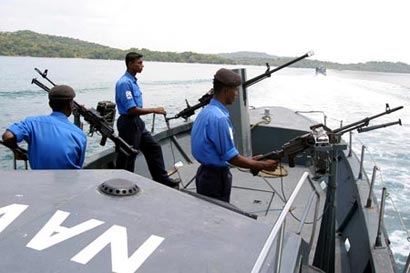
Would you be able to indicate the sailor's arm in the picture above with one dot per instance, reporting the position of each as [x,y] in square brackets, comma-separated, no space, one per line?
[245,162]
[136,111]
[9,139]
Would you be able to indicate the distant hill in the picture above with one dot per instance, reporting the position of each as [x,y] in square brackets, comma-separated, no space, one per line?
[247,55]
[373,66]
[29,43]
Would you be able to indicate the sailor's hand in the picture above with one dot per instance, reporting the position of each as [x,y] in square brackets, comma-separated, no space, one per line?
[270,165]
[160,110]
[267,165]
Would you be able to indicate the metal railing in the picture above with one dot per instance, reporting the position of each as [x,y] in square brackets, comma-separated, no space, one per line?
[369,203]
[277,231]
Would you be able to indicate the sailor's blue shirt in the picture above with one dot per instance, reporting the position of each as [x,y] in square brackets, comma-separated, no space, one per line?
[127,93]
[53,141]
[212,136]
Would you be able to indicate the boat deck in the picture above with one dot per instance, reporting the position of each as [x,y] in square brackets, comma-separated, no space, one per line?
[264,198]
[265,195]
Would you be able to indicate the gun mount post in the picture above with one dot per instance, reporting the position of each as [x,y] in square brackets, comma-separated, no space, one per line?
[325,249]
[239,111]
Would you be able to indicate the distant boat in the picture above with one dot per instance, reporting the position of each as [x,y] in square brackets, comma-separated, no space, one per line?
[321,70]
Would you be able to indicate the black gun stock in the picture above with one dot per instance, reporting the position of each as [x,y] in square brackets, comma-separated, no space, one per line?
[205,99]
[94,118]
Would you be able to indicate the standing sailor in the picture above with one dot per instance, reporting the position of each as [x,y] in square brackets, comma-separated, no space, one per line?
[131,127]
[53,141]
[213,144]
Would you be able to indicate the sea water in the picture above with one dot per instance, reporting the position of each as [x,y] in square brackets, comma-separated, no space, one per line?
[343,97]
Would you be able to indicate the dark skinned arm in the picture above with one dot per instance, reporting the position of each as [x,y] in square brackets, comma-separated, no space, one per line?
[245,162]
[136,111]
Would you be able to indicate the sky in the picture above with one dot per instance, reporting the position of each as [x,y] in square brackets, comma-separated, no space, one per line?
[348,31]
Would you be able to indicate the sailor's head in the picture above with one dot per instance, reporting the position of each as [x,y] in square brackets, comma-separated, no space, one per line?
[134,62]
[61,92]
[61,98]
[227,78]
[226,83]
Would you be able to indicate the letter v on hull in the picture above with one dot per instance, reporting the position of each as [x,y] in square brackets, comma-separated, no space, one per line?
[9,213]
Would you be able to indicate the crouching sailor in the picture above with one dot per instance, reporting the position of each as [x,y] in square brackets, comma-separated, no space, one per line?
[213,144]
[53,141]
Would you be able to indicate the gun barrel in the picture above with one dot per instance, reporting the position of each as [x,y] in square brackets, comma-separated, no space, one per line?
[205,99]
[370,128]
[364,121]
[44,75]
[47,89]
[40,84]
[269,72]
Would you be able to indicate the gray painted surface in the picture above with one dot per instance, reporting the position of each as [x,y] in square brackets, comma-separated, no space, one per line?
[199,236]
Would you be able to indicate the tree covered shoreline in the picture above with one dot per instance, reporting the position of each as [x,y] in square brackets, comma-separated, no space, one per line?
[29,43]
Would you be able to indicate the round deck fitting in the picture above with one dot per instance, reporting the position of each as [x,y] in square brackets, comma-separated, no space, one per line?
[119,187]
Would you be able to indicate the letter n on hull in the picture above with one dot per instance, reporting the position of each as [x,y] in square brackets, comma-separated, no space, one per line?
[117,237]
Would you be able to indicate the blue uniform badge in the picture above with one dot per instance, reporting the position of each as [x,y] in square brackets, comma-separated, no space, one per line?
[231,132]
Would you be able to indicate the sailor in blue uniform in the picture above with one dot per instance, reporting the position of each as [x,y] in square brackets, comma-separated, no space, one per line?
[213,144]
[53,141]
[131,127]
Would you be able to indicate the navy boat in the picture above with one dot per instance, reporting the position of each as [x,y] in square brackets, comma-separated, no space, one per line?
[315,213]
[320,70]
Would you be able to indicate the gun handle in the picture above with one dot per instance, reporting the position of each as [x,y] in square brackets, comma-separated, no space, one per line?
[255,172]
[291,161]
[103,140]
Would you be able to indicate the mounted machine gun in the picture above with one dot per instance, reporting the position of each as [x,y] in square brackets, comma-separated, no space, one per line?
[95,119]
[205,99]
[322,136]
[325,145]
